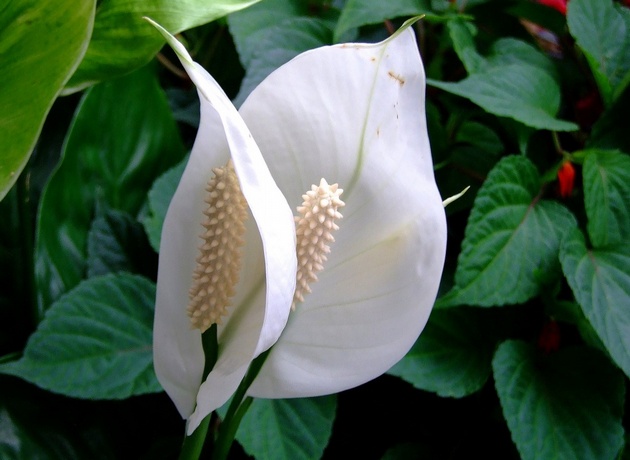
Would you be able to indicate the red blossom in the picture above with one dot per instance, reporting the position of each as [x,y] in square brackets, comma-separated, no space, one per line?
[566,178]
[588,109]
[558,5]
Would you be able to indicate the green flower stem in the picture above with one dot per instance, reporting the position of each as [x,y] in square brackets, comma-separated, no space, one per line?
[557,145]
[228,431]
[193,444]
[237,409]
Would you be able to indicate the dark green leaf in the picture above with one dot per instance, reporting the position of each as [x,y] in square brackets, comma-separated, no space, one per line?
[35,425]
[541,15]
[567,405]
[607,197]
[452,356]
[357,13]
[480,136]
[159,198]
[600,280]
[608,132]
[290,429]
[512,239]
[410,451]
[41,43]
[523,92]
[278,44]
[95,342]
[117,242]
[601,29]
[122,137]
[462,35]
[506,51]
[246,25]
[123,41]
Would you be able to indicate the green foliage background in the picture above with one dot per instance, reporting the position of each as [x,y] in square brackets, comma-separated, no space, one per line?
[527,351]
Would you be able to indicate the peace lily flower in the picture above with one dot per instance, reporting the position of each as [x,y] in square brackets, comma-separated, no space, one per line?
[342,130]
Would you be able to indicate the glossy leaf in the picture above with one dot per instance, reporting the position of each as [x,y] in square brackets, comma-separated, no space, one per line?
[452,356]
[94,342]
[42,42]
[567,405]
[602,30]
[600,280]
[522,92]
[289,429]
[607,197]
[123,41]
[510,248]
[105,164]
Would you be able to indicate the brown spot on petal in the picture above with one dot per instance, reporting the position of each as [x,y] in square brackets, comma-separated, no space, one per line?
[397,77]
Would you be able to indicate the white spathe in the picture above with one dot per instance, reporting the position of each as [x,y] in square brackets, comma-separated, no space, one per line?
[267,280]
[352,114]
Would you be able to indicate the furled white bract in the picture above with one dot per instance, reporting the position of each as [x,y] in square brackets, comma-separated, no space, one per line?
[354,115]
[267,280]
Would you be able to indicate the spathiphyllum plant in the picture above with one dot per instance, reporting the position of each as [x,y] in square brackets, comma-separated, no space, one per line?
[333,297]
[275,265]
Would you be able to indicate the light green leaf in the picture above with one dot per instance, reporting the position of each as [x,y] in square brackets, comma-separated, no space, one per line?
[105,163]
[94,342]
[358,13]
[519,91]
[287,429]
[117,242]
[512,239]
[41,43]
[160,196]
[123,41]
[607,197]
[601,29]
[567,405]
[600,281]
[452,356]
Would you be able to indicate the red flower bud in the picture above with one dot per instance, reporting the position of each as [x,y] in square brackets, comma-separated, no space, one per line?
[549,338]
[566,178]
[558,5]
